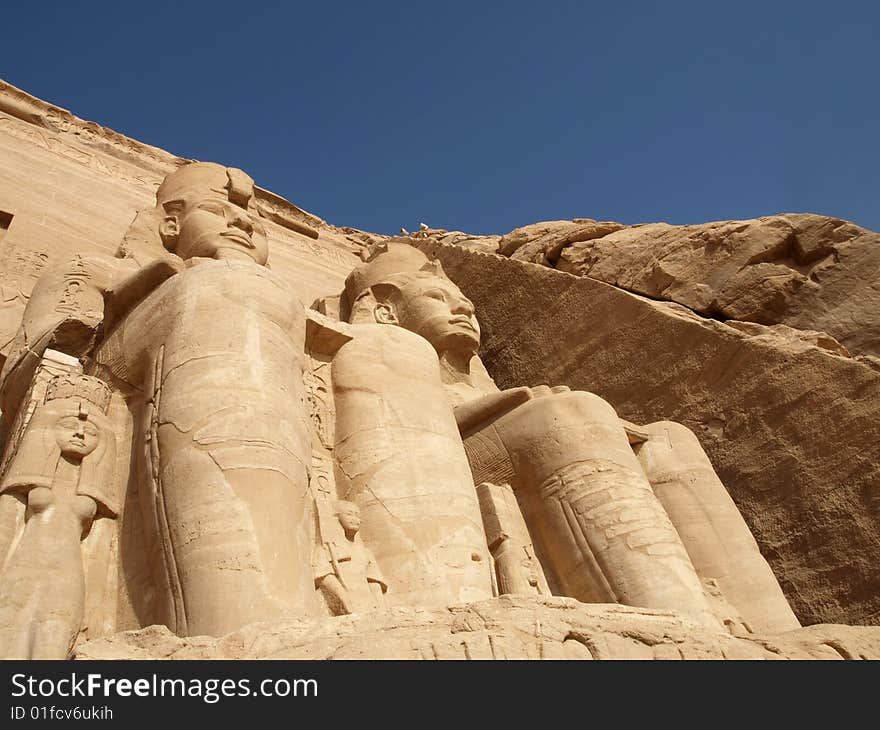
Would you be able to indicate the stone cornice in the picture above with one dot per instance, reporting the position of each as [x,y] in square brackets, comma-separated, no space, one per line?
[157,162]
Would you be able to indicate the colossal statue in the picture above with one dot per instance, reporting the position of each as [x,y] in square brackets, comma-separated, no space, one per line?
[214,358]
[206,346]
[397,454]
[175,415]
[618,513]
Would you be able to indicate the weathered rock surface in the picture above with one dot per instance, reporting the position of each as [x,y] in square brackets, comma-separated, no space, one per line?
[792,428]
[543,243]
[802,270]
[805,271]
[501,628]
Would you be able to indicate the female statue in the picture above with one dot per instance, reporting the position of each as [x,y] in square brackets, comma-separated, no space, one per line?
[63,471]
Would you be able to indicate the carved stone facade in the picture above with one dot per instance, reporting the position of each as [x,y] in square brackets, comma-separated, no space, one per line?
[219,416]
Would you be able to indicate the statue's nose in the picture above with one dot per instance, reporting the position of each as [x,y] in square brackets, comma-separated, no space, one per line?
[463,306]
[243,221]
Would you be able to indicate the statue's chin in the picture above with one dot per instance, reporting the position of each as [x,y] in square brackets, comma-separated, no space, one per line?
[458,353]
[466,345]
[231,253]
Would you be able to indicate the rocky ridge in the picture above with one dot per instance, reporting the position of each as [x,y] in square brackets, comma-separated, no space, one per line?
[805,271]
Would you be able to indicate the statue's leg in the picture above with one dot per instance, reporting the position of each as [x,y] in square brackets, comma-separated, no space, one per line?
[211,541]
[586,497]
[12,508]
[42,590]
[714,533]
[218,351]
[399,455]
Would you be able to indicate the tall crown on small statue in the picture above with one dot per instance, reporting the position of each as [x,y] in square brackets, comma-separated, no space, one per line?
[84,387]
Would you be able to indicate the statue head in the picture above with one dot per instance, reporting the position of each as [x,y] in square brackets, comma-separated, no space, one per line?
[76,436]
[71,424]
[349,516]
[204,212]
[400,286]
[79,403]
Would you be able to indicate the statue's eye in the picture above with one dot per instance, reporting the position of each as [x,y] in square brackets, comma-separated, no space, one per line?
[215,208]
[435,294]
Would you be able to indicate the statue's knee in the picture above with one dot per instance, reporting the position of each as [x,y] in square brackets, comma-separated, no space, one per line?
[671,446]
[588,406]
[673,434]
[564,407]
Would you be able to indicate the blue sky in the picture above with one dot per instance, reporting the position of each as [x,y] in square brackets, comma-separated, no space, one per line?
[486,116]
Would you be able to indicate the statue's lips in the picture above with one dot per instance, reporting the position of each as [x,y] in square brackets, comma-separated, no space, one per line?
[239,238]
[466,321]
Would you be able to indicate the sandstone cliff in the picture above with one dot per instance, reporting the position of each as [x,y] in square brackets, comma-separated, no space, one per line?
[802,270]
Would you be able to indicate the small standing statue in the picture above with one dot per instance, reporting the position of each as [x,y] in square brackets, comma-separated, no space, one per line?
[345,570]
[517,569]
[63,470]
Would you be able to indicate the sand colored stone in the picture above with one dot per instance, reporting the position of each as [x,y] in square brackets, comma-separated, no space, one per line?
[509,627]
[598,526]
[227,435]
[803,270]
[790,426]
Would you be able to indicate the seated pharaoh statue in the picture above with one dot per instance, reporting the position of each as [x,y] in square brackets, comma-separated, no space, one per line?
[182,433]
[617,513]
[203,346]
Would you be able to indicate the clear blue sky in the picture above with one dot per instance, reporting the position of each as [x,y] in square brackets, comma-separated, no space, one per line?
[486,116]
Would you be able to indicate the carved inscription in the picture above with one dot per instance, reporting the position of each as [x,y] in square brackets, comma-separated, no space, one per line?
[59,146]
[19,270]
[325,253]
[75,283]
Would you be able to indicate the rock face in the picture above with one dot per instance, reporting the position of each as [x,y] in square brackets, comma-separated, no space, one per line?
[543,243]
[198,463]
[790,426]
[801,270]
[501,628]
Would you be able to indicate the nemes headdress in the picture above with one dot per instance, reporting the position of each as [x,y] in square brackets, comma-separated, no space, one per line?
[142,240]
[385,260]
[206,177]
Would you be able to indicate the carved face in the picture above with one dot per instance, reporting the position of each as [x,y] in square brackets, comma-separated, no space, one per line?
[435,308]
[77,437]
[213,227]
[349,516]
